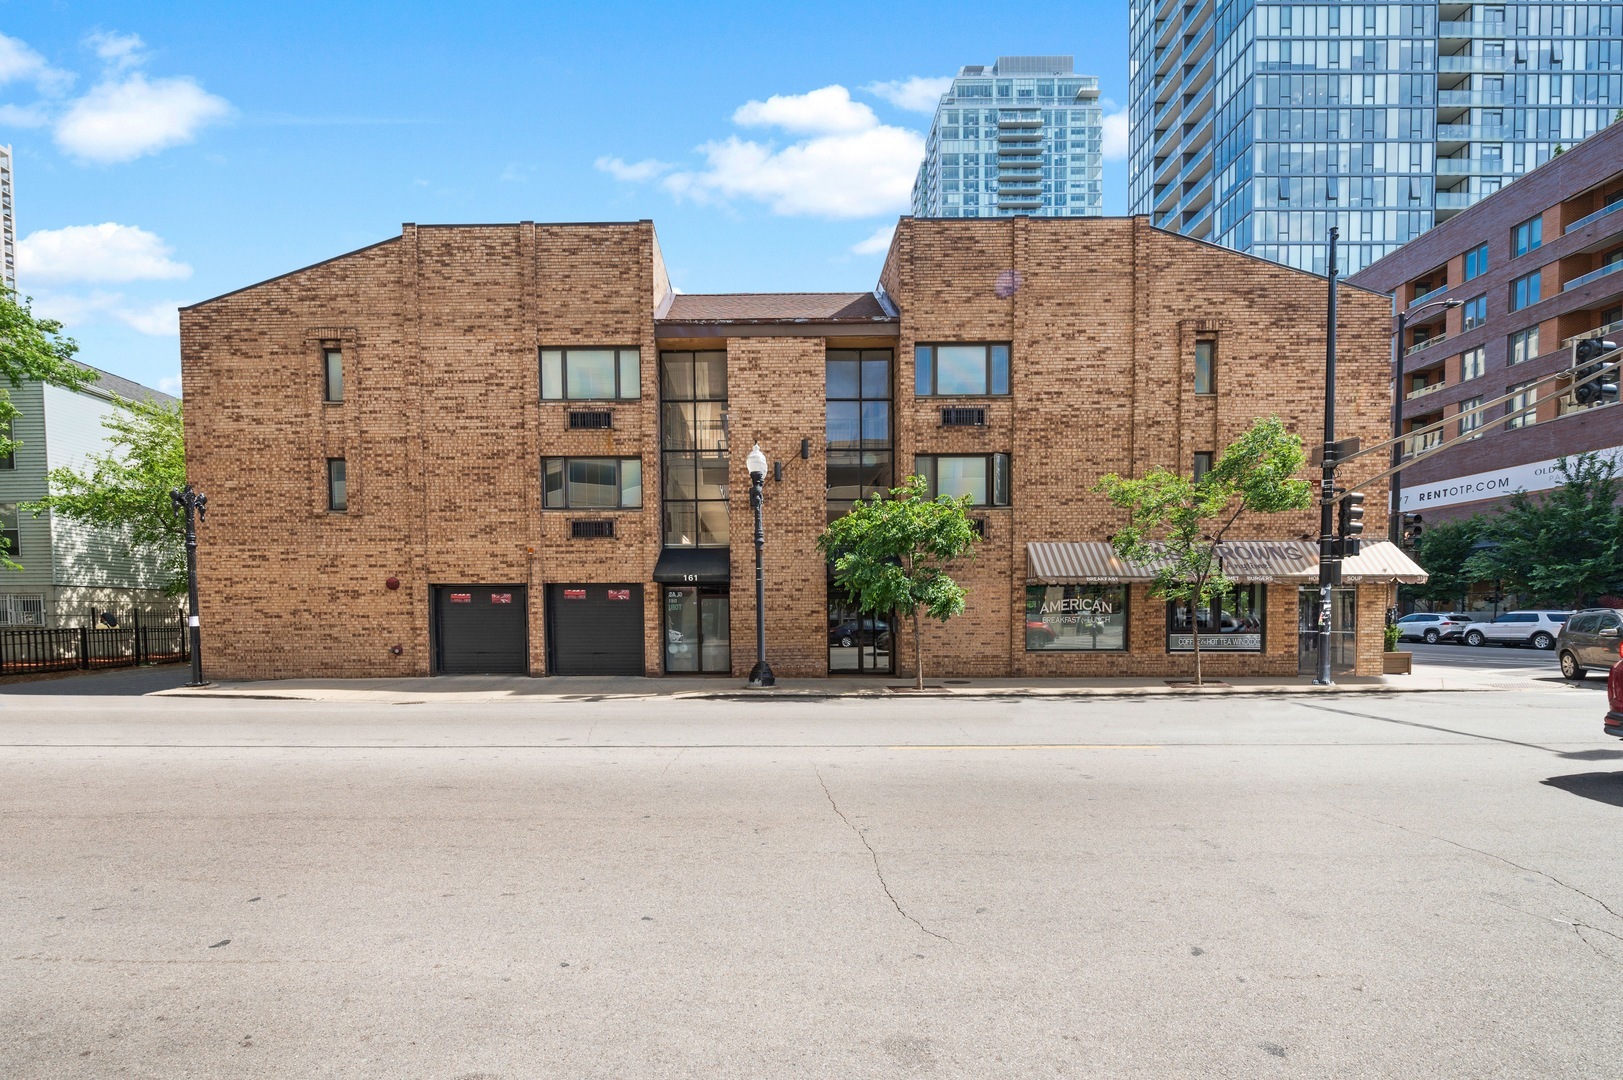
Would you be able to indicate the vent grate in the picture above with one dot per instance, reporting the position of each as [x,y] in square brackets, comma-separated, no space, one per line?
[592,529]
[591,420]
[979,525]
[958,416]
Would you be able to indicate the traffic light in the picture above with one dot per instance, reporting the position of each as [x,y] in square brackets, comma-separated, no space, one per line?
[1587,362]
[1351,524]
[1412,528]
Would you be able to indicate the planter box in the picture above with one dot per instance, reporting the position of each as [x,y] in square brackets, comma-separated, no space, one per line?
[1396,663]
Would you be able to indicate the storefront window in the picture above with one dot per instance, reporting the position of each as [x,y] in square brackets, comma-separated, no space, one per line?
[1076,618]
[1232,622]
[697,631]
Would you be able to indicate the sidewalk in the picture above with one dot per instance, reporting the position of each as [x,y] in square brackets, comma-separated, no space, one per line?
[587,688]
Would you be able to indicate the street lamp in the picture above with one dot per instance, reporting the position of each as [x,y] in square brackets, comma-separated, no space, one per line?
[1394,525]
[761,674]
[196,507]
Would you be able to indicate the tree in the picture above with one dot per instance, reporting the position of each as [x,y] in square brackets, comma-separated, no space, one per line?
[1559,546]
[128,486]
[1443,551]
[891,555]
[31,349]
[1176,523]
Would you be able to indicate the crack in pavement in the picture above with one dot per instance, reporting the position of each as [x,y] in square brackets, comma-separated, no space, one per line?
[878,873]
[1428,727]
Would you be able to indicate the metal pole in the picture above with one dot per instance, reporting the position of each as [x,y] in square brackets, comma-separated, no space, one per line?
[1327,485]
[194,505]
[1394,525]
[760,675]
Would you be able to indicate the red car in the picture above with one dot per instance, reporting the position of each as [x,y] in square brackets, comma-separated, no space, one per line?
[1614,698]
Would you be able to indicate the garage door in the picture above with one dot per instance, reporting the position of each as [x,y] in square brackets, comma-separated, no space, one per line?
[480,630]
[595,629]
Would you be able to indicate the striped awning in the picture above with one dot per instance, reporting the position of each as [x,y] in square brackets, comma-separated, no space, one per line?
[1246,561]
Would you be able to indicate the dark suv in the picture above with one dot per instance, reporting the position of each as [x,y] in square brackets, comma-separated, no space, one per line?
[1590,639]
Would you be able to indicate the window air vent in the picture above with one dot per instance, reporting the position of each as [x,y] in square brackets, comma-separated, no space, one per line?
[962,417]
[593,420]
[592,528]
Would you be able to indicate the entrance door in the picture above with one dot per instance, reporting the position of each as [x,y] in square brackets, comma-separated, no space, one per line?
[595,630]
[481,630]
[698,631]
[1343,631]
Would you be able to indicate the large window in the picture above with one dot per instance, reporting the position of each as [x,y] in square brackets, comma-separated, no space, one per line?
[1523,345]
[1232,622]
[1205,367]
[1472,364]
[1528,236]
[590,374]
[591,483]
[693,433]
[859,426]
[1076,618]
[333,365]
[1475,313]
[337,484]
[1522,408]
[983,477]
[972,370]
[1524,291]
[9,537]
[1476,262]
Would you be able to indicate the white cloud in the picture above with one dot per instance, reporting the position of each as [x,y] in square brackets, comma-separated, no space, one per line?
[117,51]
[878,243]
[20,63]
[634,172]
[121,120]
[105,252]
[1115,136]
[160,318]
[819,112]
[170,384]
[915,94]
[24,116]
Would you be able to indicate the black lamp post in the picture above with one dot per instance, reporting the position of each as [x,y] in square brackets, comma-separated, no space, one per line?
[761,674]
[195,506]
[1394,525]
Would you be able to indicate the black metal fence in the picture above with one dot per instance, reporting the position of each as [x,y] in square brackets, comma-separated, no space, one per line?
[35,649]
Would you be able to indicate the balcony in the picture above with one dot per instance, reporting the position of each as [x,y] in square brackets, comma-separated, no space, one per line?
[1491,166]
[1461,99]
[1471,133]
[1596,216]
[1472,29]
[1426,344]
[1421,443]
[1423,297]
[1422,391]
[1455,200]
[1593,275]
[1473,63]
[1599,332]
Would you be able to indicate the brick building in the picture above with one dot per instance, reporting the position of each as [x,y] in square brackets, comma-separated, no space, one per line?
[512,448]
[1537,266]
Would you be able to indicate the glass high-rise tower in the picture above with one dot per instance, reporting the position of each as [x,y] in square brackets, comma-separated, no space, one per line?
[1261,125]
[1022,136]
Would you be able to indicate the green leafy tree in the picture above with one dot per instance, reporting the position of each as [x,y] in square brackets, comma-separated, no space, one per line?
[1560,546]
[127,487]
[1443,551]
[891,555]
[31,349]
[1175,523]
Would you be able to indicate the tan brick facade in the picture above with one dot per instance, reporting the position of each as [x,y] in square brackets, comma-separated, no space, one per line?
[443,430]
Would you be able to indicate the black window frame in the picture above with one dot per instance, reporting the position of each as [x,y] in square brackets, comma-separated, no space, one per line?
[1206,365]
[619,461]
[332,359]
[924,360]
[871,458]
[688,445]
[337,479]
[563,352]
[991,477]
[1210,460]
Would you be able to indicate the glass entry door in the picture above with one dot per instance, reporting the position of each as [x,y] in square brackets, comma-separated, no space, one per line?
[1343,631]
[858,643]
[698,637]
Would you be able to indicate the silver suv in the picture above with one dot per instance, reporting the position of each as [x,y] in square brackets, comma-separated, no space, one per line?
[1590,639]
[1432,626]
[1535,628]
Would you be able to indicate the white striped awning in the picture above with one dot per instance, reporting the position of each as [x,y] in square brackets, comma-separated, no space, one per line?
[1246,561]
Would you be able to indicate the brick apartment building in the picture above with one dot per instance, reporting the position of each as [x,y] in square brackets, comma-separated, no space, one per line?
[512,448]
[1537,266]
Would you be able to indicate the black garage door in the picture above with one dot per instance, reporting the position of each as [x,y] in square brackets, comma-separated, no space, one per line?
[480,630]
[595,629]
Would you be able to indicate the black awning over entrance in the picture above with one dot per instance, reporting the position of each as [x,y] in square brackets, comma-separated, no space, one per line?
[694,566]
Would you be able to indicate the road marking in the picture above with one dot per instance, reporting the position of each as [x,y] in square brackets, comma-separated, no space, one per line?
[1032,746]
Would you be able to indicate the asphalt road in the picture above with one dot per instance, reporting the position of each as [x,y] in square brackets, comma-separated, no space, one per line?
[1484,656]
[1421,885]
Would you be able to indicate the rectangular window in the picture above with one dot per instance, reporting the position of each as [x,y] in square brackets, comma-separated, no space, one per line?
[334,365]
[1233,622]
[1521,408]
[1528,236]
[8,460]
[1476,262]
[858,426]
[967,370]
[1475,313]
[1472,364]
[1523,346]
[983,477]
[1205,367]
[337,484]
[1203,463]
[591,483]
[1470,421]
[693,435]
[590,374]
[1076,618]
[9,539]
[1524,291]
[21,610]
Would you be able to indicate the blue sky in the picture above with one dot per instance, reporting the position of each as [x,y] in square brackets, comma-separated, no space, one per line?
[167,153]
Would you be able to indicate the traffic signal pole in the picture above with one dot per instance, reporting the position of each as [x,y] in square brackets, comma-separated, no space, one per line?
[1327,485]
[1394,525]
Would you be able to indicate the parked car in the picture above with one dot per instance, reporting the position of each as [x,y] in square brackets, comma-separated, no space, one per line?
[1613,725]
[867,631]
[1039,635]
[1535,628]
[1433,626]
[1590,639]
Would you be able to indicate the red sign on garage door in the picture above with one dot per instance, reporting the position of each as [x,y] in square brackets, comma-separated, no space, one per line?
[501,598]
[462,598]
[619,594]
[574,594]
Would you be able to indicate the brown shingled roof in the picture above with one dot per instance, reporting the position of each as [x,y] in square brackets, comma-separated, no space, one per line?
[776,307]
